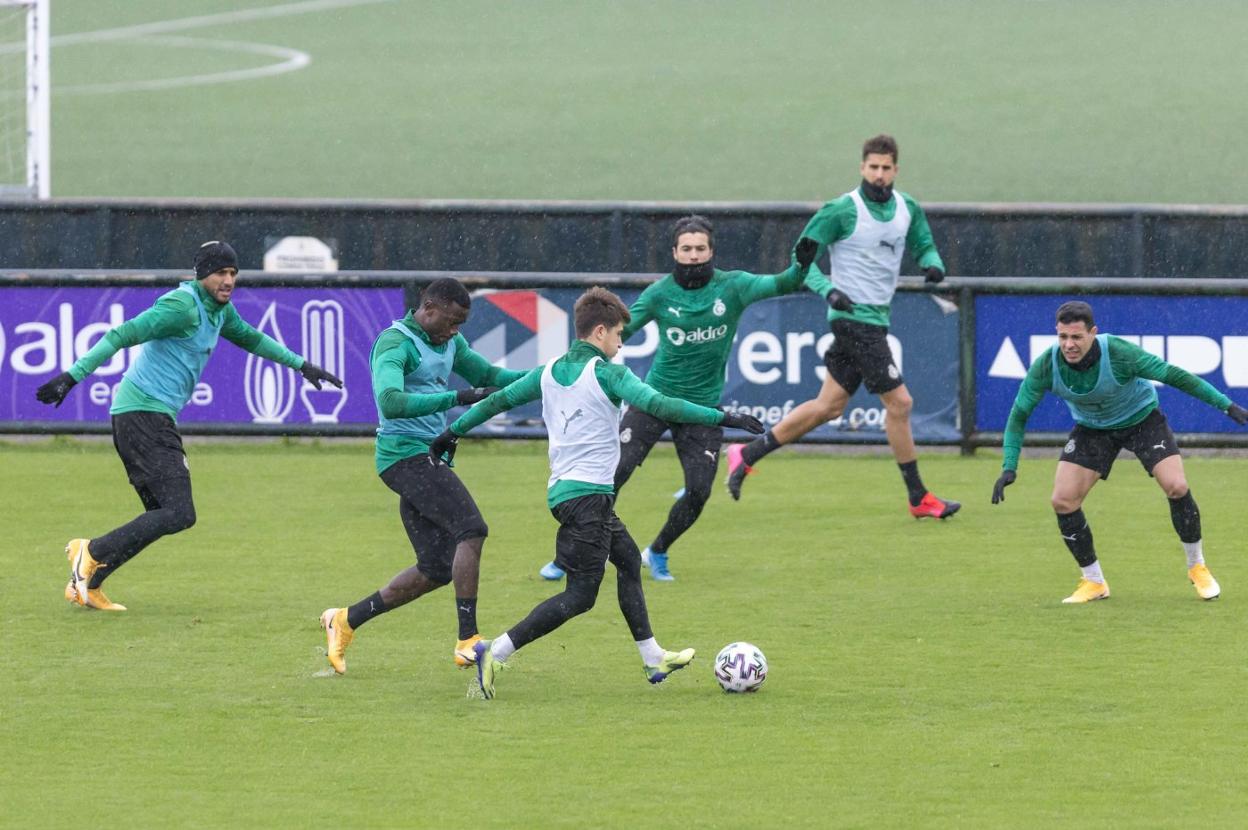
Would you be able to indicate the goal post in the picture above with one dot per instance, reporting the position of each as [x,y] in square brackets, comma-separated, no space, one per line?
[25,99]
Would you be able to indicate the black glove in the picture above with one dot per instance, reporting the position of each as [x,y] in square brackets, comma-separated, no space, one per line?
[998,489]
[315,375]
[840,301]
[805,251]
[1238,414]
[467,397]
[740,420]
[443,447]
[933,275]
[55,390]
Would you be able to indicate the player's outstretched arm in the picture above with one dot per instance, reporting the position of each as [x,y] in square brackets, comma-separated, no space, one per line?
[1133,360]
[478,371]
[526,389]
[619,382]
[248,338]
[1238,414]
[173,315]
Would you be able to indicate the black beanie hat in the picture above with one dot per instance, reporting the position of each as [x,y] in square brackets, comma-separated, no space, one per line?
[212,257]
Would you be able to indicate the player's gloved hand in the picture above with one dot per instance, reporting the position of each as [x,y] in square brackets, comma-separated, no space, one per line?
[315,375]
[805,251]
[467,397]
[1238,414]
[442,450]
[998,489]
[933,275]
[740,420]
[55,390]
[840,301]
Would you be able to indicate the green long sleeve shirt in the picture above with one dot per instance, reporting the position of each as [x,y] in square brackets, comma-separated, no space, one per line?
[395,356]
[175,315]
[837,219]
[1127,361]
[696,327]
[617,381]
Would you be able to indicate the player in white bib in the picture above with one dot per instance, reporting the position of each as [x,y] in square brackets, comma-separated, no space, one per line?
[581,394]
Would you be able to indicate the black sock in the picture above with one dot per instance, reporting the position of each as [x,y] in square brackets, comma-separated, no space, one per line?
[1185,516]
[365,610]
[759,447]
[466,608]
[1078,537]
[914,484]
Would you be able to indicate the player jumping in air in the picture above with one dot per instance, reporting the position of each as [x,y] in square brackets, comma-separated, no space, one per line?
[179,332]
[697,308]
[868,230]
[1105,383]
[412,361]
[581,394]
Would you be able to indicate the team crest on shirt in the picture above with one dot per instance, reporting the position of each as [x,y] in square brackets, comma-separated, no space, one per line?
[719,309]
[626,435]
[1070,447]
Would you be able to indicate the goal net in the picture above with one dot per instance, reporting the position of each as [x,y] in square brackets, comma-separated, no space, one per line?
[25,170]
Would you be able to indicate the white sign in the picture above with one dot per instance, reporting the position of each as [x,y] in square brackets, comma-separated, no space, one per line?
[300,254]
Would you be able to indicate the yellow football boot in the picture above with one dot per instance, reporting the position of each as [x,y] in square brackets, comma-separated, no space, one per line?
[81,568]
[464,655]
[1088,591]
[338,636]
[96,599]
[1206,586]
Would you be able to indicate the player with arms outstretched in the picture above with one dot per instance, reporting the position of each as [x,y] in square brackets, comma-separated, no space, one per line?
[1105,383]
[581,394]
[697,308]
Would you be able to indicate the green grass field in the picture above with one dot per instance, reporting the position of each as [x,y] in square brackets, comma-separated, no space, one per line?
[922,674]
[1050,100]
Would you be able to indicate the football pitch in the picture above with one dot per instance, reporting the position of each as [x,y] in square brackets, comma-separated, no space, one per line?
[922,673]
[1019,100]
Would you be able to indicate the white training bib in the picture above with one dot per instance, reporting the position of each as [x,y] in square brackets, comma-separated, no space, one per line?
[583,426]
[866,264]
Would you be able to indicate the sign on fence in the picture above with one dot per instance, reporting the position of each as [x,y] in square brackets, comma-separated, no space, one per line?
[776,360]
[1208,336]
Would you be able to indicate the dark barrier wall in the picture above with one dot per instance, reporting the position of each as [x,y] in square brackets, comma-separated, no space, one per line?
[975,240]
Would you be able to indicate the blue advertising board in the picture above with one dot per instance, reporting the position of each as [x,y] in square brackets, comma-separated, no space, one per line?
[1208,336]
[775,364]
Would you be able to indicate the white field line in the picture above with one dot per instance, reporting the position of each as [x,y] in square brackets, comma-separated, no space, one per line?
[290,60]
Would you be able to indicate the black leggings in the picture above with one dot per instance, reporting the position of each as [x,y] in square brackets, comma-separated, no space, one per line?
[169,509]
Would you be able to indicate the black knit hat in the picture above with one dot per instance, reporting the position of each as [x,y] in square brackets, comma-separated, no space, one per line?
[212,257]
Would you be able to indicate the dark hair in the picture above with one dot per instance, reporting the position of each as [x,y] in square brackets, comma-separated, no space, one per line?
[1074,311]
[446,291]
[598,306]
[693,224]
[884,144]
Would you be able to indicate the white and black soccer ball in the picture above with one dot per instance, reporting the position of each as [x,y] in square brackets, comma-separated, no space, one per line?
[740,667]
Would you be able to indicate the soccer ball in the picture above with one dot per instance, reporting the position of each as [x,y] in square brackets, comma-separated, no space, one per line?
[740,667]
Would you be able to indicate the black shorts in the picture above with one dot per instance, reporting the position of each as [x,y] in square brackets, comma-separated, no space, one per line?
[1151,440]
[860,354]
[696,444]
[590,535]
[150,446]
[437,512]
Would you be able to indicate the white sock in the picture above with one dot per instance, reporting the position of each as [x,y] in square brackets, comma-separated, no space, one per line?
[502,647]
[651,651]
[1195,555]
[1093,572]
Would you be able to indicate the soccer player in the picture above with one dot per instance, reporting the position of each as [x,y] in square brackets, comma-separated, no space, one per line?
[697,307]
[868,230]
[179,332]
[581,394]
[412,361]
[1105,383]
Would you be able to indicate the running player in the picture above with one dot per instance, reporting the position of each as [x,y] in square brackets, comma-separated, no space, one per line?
[868,230]
[412,361]
[697,308]
[1105,383]
[179,332]
[581,394]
